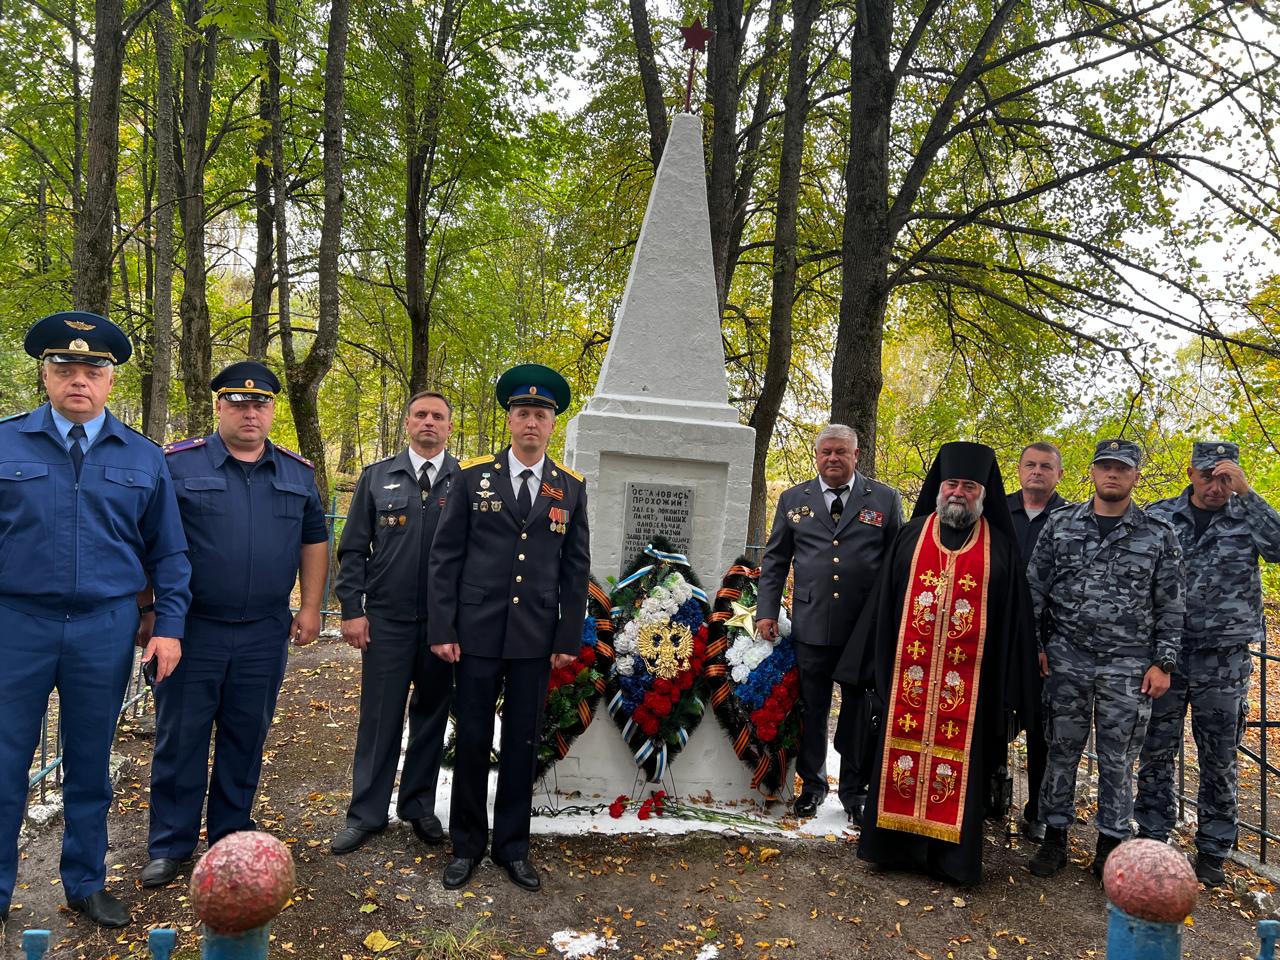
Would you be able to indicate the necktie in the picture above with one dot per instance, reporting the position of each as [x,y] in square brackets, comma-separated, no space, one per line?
[837,504]
[75,435]
[524,499]
[424,543]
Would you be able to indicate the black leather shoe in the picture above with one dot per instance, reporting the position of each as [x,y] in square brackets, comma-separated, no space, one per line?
[4,914]
[807,804]
[428,829]
[352,838]
[458,872]
[102,908]
[160,872]
[522,873]
[854,807]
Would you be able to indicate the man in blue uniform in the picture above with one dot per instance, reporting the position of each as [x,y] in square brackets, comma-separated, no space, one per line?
[508,593]
[253,518]
[87,517]
[383,590]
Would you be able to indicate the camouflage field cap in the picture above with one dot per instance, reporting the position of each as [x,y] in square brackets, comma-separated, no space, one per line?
[1124,451]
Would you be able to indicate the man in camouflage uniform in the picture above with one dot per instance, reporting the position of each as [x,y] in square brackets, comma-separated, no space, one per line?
[1110,579]
[1224,527]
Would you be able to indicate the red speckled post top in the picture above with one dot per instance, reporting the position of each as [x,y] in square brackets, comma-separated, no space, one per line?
[1150,880]
[242,882]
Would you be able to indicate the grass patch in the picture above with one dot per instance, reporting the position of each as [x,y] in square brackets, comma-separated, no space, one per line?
[480,942]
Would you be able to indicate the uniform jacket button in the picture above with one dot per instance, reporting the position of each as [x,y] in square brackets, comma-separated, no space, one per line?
[515,599]
[524,536]
[835,596]
[519,579]
[520,556]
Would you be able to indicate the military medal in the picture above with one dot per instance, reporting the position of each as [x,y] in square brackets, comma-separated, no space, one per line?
[873,517]
[484,506]
[497,506]
[484,482]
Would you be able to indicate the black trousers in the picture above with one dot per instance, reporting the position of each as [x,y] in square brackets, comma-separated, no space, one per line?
[397,657]
[523,685]
[1037,756]
[816,665]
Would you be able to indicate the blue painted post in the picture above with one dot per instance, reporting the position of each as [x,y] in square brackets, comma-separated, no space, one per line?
[1152,890]
[1268,933]
[1131,938]
[250,945]
[35,943]
[161,942]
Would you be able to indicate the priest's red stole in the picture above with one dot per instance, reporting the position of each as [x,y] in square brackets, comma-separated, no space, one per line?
[933,702]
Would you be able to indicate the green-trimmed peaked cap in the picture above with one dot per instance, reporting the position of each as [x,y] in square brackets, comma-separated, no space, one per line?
[533,384]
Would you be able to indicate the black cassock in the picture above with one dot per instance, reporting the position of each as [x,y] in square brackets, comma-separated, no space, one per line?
[1006,695]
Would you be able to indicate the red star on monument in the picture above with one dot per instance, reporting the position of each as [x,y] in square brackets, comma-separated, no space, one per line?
[696,36]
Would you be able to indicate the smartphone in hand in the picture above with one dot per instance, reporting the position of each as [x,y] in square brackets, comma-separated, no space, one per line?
[149,668]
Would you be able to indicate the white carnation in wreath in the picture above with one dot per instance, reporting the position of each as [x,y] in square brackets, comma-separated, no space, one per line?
[626,665]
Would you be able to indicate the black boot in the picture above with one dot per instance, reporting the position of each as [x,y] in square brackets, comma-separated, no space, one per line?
[1052,855]
[1209,870]
[1103,850]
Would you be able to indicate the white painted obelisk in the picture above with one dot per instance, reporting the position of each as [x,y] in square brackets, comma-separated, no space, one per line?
[660,421]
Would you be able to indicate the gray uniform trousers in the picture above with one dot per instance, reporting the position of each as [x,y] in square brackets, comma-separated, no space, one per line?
[1085,688]
[1215,683]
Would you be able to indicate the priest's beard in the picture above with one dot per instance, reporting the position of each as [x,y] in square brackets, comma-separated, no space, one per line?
[957,514]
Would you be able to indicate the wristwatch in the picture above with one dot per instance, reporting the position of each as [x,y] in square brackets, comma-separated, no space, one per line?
[149,608]
[1167,664]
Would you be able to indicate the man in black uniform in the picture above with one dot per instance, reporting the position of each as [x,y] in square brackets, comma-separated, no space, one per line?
[835,528]
[383,591]
[508,593]
[1039,473]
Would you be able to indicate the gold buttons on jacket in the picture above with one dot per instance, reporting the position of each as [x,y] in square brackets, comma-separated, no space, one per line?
[515,599]
[835,543]
[835,576]
[835,596]
[524,536]
[835,559]
[519,579]
[520,556]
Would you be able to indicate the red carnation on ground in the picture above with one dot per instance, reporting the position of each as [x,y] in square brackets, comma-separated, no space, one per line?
[618,805]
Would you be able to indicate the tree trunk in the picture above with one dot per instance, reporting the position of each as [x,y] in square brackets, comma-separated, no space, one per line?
[304,380]
[778,364]
[264,253]
[724,59]
[650,82]
[199,57]
[422,138]
[157,420]
[94,233]
[856,378]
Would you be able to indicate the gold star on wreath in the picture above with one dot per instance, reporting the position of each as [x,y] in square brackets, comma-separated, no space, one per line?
[743,618]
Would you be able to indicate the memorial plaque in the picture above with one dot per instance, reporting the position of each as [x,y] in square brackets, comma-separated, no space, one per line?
[661,509]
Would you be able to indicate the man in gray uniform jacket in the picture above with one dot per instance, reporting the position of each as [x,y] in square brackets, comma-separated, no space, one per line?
[382,586]
[835,529]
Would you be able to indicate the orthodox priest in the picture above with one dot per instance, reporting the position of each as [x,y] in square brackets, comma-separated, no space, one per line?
[947,648]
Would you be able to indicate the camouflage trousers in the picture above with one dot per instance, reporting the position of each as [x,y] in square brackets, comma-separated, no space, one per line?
[1215,683]
[1087,690]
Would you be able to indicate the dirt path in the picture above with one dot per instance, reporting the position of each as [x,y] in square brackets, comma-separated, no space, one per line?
[695,895]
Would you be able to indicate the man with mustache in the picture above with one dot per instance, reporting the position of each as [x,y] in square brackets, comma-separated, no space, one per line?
[1106,582]
[1224,527]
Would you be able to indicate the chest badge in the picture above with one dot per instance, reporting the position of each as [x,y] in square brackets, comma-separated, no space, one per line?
[797,514]
[391,486]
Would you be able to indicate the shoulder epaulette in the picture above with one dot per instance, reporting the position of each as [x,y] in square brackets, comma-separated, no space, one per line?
[142,435]
[573,473]
[180,446]
[296,456]
[475,461]
[13,416]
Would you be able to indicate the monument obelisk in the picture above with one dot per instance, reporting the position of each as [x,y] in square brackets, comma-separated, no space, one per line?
[662,449]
